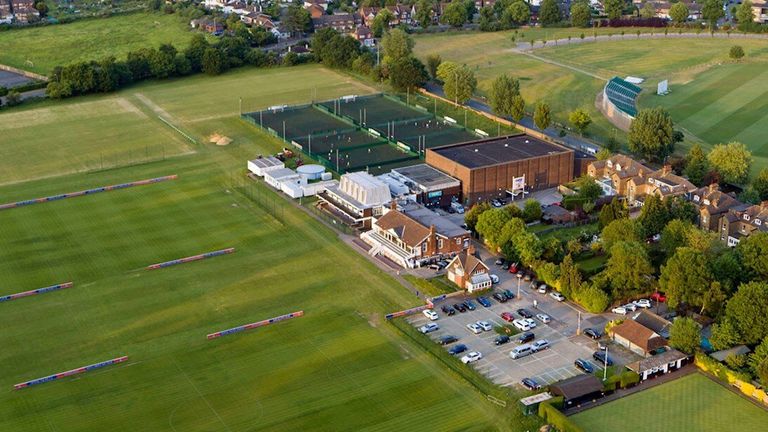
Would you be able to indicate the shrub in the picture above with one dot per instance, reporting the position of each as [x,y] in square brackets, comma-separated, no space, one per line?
[553,416]
[629,379]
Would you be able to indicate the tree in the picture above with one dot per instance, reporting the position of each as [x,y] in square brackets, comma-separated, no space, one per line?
[654,216]
[531,211]
[570,277]
[459,81]
[455,14]
[580,119]
[697,165]
[339,51]
[528,246]
[297,19]
[396,45]
[433,62]
[648,10]
[589,190]
[752,252]
[614,8]
[470,217]
[194,52]
[713,300]
[620,230]
[489,226]
[611,212]
[728,270]
[487,21]
[758,358]
[745,15]
[651,134]
[711,11]
[679,13]
[603,154]
[686,277]
[509,237]
[760,183]
[685,335]
[423,14]
[675,235]
[42,8]
[746,311]
[381,22]
[503,90]
[594,299]
[213,62]
[517,108]
[580,14]
[407,74]
[736,52]
[732,161]
[516,14]
[13,98]
[628,269]
[724,335]
[549,12]
[542,116]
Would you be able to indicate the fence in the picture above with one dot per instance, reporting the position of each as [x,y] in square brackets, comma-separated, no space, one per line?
[77,371]
[727,376]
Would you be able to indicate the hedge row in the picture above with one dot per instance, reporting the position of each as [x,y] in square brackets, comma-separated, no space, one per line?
[553,416]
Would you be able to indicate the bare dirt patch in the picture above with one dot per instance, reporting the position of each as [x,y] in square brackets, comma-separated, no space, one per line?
[219,140]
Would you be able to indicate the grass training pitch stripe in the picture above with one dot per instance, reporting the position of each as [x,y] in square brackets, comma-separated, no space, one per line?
[85,192]
[36,291]
[191,258]
[77,371]
[251,326]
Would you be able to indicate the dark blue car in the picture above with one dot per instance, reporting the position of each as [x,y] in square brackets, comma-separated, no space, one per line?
[484,301]
[457,349]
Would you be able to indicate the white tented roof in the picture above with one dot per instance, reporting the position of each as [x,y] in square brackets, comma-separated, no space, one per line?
[365,188]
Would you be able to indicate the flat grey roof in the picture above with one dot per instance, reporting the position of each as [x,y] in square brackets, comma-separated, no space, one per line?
[426,177]
[265,162]
[427,217]
[499,150]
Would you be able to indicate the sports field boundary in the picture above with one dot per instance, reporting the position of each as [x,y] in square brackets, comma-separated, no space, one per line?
[251,326]
[191,258]
[86,192]
[37,291]
[71,372]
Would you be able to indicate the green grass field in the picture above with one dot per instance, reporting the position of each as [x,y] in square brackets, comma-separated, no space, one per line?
[40,49]
[712,98]
[340,367]
[690,403]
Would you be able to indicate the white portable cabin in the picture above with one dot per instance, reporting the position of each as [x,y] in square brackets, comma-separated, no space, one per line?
[275,178]
[291,189]
[261,166]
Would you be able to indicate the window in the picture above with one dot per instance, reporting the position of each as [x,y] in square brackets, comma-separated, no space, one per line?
[466,243]
[458,240]
[746,216]
[439,243]
[424,247]
[696,198]
[758,222]
[706,202]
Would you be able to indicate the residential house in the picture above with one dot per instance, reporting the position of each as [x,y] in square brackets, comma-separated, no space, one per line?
[315,11]
[364,35]
[637,338]
[760,11]
[468,272]
[654,322]
[414,236]
[208,25]
[577,390]
[622,175]
[741,221]
[368,14]
[214,4]
[712,204]
[357,200]
[479,4]
[6,13]
[258,19]
[319,3]
[659,364]
[556,214]
[341,22]
[24,11]
[663,7]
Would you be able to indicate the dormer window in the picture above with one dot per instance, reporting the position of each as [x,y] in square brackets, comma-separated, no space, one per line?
[618,167]
[706,202]
[696,198]
[758,222]
[746,216]
[610,164]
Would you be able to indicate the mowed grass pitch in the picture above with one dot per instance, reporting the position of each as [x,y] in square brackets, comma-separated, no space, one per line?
[40,49]
[340,367]
[690,403]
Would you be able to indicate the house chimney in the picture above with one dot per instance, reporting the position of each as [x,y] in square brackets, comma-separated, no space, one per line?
[393,205]
[432,240]
[667,169]
[712,187]
[471,250]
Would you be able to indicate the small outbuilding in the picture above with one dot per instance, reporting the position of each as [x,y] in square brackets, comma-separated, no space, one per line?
[263,165]
[637,338]
[530,405]
[659,364]
[577,390]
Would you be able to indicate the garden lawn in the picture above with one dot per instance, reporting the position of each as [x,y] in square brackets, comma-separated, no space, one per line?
[340,367]
[40,49]
[690,403]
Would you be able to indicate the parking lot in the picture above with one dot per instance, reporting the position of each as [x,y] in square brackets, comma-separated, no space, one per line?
[547,366]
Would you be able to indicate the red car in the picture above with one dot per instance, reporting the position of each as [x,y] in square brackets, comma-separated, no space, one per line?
[513,268]
[659,297]
[507,316]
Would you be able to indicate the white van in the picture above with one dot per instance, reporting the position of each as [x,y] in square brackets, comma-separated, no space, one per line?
[457,207]
[521,351]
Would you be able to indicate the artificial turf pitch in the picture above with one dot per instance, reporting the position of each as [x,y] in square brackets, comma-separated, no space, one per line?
[340,367]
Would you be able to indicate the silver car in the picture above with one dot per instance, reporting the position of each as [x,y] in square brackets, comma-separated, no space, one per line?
[540,345]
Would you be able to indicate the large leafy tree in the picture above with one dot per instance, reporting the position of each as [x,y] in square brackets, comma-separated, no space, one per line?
[753,254]
[471,216]
[621,230]
[423,13]
[580,14]
[503,91]
[651,134]
[612,211]
[407,74]
[549,12]
[628,269]
[517,108]
[433,62]
[746,312]
[490,224]
[732,161]
[542,115]
[459,81]
[297,19]
[685,335]
[654,216]
[760,183]
[675,235]
[396,45]
[686,277]
[614,8]
[455,14]
[580,119]
[516,14]
[711,11]
[570,277]
[745,15]
[381,22]
[696,163]
[679,13]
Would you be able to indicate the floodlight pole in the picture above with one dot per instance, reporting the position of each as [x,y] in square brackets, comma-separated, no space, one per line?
[337,160]
[519,278]
[578,323]
[605,365]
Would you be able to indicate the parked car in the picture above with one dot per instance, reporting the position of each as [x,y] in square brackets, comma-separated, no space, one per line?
[429,313]
[471,357]
[501,340]
[448,310]
[507,316]
[525,313]
[485,325]
[526,337]
[429,328]
[643,303]
[434,267]
[521,351]
[527,277]
[448,339]
[495,203]
[500,297]
[531,323]
[540,345]
[470,305]
[544,318]
[593,333]
[499,261]
[630,307]
[513,268]
[619,310]
[460,307]
[602,357]
[494,279]
[457,349]
[542,289]
[520,324]
[557,296]
[530,384]
[484,301]
[505,266]
[659,297]
[508,294]
[584,365]
[474,328]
